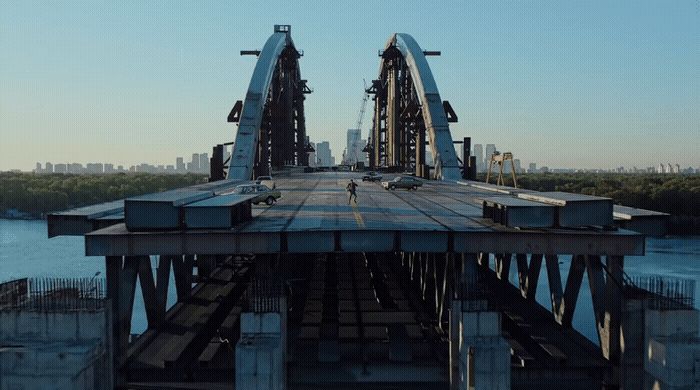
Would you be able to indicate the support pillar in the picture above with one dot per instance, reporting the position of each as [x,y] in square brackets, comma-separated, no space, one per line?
[479,355]
[261,351]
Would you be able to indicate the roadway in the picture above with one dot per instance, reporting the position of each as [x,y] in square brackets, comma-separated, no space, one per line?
[314,216]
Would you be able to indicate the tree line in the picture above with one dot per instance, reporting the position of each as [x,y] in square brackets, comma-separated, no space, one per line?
[37,195]
[678,195]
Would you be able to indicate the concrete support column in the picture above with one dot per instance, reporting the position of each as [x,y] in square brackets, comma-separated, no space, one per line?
[633,347]
[672,348]
[261,351]
[479,355]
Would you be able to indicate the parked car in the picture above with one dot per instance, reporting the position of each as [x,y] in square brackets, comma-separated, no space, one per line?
[372,176]
[407,182]
[266,180]
[263,192]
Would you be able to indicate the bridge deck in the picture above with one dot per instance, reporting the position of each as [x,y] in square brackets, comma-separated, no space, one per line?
[314,216]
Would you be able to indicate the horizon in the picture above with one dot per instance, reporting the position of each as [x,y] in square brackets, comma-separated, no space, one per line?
[595,85]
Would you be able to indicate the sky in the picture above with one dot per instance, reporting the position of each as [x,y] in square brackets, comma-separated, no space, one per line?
[585,84]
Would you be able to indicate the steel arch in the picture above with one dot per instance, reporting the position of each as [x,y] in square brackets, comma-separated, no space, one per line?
[430,112]
[273,106]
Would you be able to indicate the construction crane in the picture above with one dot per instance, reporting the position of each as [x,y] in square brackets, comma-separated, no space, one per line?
[361,116]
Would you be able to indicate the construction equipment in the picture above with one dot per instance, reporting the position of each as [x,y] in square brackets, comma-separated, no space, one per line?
[361,116]
[500,159]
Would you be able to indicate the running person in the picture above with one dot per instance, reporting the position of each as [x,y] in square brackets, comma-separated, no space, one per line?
[352,187]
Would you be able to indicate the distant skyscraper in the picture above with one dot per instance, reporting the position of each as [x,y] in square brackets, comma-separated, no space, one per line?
[38,168]
[60,168]
[204,163]
[49,168]
[479,155]
[180,165]
[323,153]
[75,168]
[490,150]
[194,165]
[312,155]
[353,147]
[109,168]
[516,164]
[533,168]
[94,168]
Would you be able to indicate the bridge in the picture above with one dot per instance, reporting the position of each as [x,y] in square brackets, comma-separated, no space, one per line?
[401,289]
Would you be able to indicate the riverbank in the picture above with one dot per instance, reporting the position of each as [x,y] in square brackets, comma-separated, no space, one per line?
[29,195]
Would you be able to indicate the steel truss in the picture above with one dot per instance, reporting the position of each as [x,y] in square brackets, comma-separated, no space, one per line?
[436,280]
[407,109]
[272,125]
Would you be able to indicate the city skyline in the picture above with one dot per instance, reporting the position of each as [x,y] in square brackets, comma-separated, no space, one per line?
[592,85]
[323,156]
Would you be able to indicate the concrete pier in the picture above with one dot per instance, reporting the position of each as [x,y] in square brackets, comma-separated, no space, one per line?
[261,351]
[481,357]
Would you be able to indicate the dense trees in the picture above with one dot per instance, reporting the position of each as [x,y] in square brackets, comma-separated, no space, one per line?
[39,194]
[674,194]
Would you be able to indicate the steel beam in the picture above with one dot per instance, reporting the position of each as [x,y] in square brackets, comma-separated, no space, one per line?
[571,292]
[596,281]
[613,307]
[555,290]
[528,274]
[127,290]
[503,261]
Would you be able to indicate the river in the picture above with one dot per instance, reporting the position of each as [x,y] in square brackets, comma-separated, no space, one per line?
[25,251]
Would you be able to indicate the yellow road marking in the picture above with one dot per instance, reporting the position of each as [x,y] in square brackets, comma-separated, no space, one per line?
[358,217]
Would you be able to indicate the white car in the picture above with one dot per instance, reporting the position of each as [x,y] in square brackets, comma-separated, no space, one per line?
[267,181]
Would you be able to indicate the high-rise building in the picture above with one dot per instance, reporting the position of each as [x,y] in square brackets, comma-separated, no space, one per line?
[516,164]
[194,165]
[323,153]
[204,163]
[490,150]
[532,168]
[38,169]
[75,168]
[180,165]
[353,147]
[312,155]
[60,168]
[49,168]
[479,155]
[94,168]
[109,168]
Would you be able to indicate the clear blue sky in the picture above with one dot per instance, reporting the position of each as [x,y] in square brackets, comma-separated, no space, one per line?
[564,83]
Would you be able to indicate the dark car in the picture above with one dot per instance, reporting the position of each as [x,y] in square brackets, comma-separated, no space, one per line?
[407,182]
[372,176]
